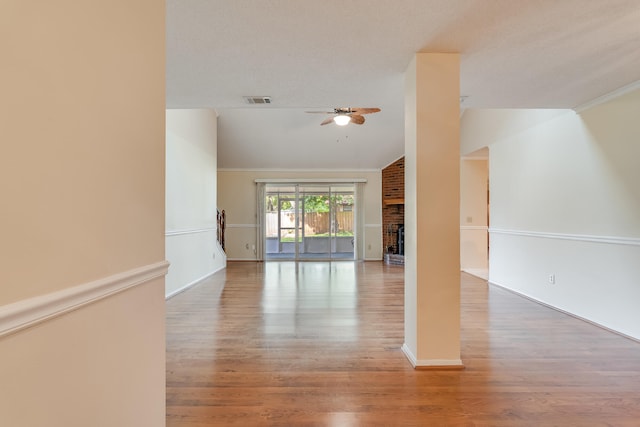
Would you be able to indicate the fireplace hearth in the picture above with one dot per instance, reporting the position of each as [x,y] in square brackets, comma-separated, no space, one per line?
[395,253]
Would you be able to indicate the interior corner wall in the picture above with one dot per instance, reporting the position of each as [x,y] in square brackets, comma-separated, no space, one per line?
[82,184]
[565,197]
[237,196]
[191,194]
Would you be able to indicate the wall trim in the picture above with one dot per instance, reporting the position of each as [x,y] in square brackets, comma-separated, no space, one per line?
[474,227]
[431,363]
[568,313]
[612,240]
[241,225]
[608,97]
[298,170]
[23,314]
[193,283]
[189,231]
[409,354]
[310,180]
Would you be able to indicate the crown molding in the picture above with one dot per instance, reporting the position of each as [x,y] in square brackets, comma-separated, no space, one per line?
[608,97]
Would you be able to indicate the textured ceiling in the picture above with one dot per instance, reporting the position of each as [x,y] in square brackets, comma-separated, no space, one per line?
[324,54]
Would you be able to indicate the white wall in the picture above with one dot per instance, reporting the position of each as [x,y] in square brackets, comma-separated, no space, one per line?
[191,245]
[481,128]
[565,198]
[237,196]
[82,184]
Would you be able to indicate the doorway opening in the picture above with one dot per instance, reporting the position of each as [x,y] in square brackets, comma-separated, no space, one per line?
[309,222]
[475,213]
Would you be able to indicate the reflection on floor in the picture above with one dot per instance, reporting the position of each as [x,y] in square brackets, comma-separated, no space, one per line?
[318,344]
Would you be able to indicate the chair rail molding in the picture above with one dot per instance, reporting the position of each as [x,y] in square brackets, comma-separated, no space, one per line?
[612,240]
[189,231]
[23,314]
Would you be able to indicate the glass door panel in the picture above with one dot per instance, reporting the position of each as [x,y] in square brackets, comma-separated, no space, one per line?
[310,221]
[316,217]
[342,211]
[287,228]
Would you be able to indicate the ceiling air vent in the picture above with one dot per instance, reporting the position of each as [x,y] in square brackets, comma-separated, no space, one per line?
[257,99]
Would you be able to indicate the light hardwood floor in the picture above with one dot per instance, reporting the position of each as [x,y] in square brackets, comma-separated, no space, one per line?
[318,344]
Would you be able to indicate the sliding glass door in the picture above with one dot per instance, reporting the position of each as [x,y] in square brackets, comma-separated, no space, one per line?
[309,221]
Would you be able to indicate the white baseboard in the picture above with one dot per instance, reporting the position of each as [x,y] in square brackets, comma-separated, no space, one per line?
[430,363]
[568,313]
[193,283]
[409,354]
[481,273]
[32,311]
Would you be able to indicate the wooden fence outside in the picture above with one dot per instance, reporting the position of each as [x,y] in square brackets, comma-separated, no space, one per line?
[314,223]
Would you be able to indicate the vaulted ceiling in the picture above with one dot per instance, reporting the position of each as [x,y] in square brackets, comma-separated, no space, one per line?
[317,55]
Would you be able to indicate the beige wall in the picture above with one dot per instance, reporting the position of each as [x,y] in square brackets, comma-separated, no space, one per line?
[474,185]
[191,245]
[80,131]
[101,366]
[237,196]
[82,182]
[410,201]
[432,209]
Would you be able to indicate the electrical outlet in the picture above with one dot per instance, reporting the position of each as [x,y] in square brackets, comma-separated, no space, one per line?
[552,279]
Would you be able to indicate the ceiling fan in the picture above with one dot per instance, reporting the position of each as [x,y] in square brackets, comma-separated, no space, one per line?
[344,116]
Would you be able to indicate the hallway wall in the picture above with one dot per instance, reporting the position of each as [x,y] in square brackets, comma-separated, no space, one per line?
[191,245]
[82,184]
[565,197]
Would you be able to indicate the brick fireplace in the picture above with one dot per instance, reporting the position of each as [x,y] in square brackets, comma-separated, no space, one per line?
[393,211]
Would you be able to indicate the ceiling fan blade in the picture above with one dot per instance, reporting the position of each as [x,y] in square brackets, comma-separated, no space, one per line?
[365,110]
[357,119]
[326,121]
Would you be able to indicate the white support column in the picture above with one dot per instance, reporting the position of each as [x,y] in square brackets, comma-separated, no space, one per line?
[432,211]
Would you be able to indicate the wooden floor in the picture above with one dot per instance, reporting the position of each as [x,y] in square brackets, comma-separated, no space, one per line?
[318,344]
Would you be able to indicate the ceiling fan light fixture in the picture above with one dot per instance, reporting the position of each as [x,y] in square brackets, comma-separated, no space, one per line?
[342,119]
